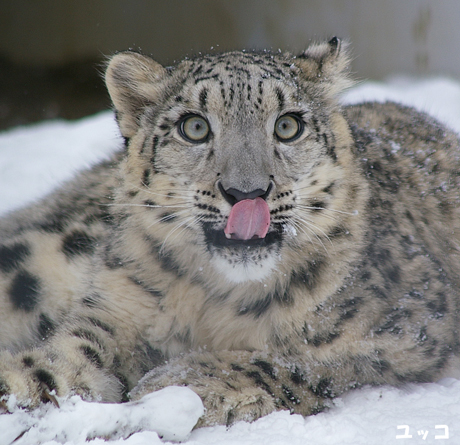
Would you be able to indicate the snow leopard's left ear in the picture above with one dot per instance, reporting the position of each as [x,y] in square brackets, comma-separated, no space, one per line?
[134,82]
[326,63]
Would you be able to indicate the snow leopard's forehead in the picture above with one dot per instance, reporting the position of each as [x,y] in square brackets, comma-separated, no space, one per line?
[242,65]
[248,83]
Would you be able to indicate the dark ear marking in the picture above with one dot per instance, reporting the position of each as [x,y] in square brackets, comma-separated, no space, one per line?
[335,45]
[326,63]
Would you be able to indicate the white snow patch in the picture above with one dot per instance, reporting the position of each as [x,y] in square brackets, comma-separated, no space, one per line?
[289,230]
[36,158]
[171,413]
[439,97]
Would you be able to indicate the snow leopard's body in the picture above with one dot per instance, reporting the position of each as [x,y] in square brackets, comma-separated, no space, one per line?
[349,277]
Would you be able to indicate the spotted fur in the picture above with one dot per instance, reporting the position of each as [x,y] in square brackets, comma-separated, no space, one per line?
[123,281]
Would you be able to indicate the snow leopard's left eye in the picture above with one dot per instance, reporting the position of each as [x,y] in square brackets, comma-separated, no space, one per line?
[288,128]
[194,128]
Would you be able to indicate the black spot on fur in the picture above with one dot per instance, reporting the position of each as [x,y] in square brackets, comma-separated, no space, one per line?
[154,148]
[280,97]
[12,256]
[112,261]
[78,243]
[277,154]
[324,338]
[258,308]
[236,367]
[366,275]
[146,288]
[24,291]
[46,377]
[168,217]
[149,357]
[200,79]
[266,367]
[392,325]
[328,188]
[310,275]
[393,274]
[86,334]
[289,393]
[203,98]
[259,381]
[317,206]
[378,292]
[381,366]
[46,327]
[422,337]
[168,263]
[124,382]
[28,361]
[92,300]
[350,308]
[322,388]
[297,377]
[99,324]
[338,232]
[210,155]
[331,151]
[92,355]
[146,178]
[439,306]
[55,222]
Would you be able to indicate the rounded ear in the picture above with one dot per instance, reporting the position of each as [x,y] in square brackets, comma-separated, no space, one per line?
[133,81]
[326,63]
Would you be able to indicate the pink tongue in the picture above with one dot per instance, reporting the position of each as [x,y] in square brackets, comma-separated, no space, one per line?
[248,219]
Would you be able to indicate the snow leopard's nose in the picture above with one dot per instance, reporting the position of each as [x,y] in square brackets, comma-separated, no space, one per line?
[233,195]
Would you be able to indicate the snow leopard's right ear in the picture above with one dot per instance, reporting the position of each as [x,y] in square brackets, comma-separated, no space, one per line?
[327,65]
[133,81]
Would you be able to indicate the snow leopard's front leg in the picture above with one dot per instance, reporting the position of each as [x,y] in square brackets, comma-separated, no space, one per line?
[77,360]
[96,353]
[242,385]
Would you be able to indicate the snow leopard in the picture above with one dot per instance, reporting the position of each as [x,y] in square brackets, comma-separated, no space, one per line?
[255,240]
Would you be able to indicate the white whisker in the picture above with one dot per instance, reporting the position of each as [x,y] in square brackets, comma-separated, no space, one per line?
[354,213]
[151,206]
[178,226]
[308,225]
[151,192]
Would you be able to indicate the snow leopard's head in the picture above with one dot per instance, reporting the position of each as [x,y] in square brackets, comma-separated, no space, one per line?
[241,156]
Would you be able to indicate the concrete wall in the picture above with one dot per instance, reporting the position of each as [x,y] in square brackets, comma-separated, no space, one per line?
[418,37]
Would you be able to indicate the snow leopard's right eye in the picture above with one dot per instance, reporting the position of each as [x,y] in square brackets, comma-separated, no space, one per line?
[194,128]
[288,127]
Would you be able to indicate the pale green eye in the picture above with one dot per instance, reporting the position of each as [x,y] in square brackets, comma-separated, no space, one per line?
[194,129]
[288,127]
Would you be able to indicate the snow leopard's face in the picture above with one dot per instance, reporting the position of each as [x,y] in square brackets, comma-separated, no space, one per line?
[238,153]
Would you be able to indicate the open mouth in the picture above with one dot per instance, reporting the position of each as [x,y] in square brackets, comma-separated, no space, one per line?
[248,220]
[218,238]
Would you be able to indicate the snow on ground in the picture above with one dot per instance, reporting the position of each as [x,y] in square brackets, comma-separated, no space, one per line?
[35,159]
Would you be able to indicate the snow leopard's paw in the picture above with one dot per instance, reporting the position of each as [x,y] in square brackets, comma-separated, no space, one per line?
[228,395]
